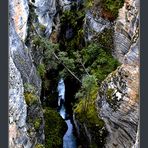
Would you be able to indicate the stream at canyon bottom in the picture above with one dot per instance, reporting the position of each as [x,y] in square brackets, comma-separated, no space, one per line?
[69,140]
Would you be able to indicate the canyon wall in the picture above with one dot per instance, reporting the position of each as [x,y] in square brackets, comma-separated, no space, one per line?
[22,75]
[118,98]
[117,102]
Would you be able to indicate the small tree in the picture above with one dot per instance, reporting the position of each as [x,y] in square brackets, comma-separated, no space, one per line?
[89,87]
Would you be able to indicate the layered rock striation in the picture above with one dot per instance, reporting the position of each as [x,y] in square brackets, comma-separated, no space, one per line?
[118,98]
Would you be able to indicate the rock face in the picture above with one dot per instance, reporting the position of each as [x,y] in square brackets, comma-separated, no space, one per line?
[22,71]
[94,25]
[46,11]
[126,29]
[118,98]
[18,136]
[19,12]
[118,105]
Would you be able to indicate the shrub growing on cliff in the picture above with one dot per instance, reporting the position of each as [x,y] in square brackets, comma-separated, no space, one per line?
[37,123]
[111,8]
[86,113]
[30,98]
[29,94]
[97,61]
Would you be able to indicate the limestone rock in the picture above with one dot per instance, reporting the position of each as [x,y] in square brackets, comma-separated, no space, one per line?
[126,28]
[94,25]
[21,71]
[19,11]
[118,98]
[18,136]
[118,105]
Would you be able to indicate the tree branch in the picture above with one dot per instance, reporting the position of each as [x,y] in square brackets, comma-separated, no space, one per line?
[59,58]
[67,68]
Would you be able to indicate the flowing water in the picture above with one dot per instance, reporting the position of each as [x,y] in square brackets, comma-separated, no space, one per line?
[69,140]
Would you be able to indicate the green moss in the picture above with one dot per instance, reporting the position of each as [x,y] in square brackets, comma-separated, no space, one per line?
[85,112]
[88,4]
[55,128]
[42,27]
[29,88]
[88,115]
[112,100]
[29,94]
[110,93]
[30,98]
[39,146]
[37,123]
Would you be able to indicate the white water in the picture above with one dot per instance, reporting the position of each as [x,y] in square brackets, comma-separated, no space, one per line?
[69,140]
[61,91]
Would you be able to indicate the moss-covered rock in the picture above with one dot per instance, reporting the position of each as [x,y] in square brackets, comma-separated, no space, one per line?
[29,94]
[91,126]
[39,146]
[55,128]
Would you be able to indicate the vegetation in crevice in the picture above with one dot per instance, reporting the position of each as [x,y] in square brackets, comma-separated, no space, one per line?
[110,8]
[55,128]
[42,50]
[29,94]
[74,60]
[39,146]
[41,70]
[105,39]
[86,113]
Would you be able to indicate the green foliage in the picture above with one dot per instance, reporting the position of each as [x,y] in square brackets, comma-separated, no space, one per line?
[87,96]
[74,20]
[46,84]
[85,112]
[112,99]
[88,4]
[89,86]
[55,128]
[39,146]
[88,115]
[29,88]
[98,62]
[105,39]
[112,6]
[30,98]
[37,123]
[48,49]
[29,94]
[41,70]
[89,82]
[69,62]
[109,93]
[42,27]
